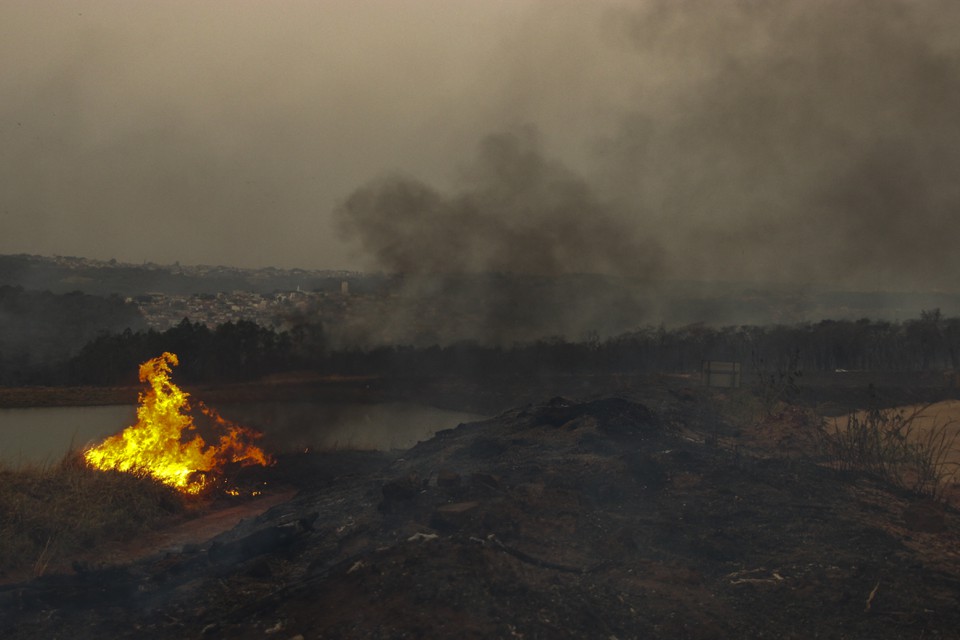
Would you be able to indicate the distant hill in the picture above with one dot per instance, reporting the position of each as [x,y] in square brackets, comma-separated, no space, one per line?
[65,274]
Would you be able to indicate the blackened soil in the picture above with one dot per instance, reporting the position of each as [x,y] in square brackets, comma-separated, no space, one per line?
[602,519]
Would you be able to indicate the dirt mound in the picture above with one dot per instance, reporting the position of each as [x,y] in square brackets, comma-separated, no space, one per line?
[562,520]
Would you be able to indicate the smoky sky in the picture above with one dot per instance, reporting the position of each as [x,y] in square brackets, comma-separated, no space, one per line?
[789,140]
[517,212]
[814,139]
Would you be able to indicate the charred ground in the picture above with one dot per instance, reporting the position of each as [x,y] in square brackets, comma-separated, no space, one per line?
[648,514]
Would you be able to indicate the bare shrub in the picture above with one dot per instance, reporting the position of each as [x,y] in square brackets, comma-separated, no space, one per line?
[777,385]
[886,444]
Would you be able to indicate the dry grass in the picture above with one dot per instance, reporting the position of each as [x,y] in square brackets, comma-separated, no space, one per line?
[52,514]
[891,444]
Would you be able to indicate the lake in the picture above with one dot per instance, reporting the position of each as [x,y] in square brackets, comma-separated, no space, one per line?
[43,435]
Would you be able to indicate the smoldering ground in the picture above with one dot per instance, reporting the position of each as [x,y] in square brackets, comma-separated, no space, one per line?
[788,142]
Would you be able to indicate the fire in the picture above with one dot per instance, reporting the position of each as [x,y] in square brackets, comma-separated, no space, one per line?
[155,445]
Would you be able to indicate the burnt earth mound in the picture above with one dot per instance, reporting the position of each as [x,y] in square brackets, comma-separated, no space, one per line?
[569,519]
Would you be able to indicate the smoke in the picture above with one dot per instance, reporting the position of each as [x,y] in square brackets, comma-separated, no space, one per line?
[794,142]
[797,141]
[213,133]
[804,141]
[516,212]
[485,257]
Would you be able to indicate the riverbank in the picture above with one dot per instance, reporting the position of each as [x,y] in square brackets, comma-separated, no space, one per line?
[488,396]
[830,394]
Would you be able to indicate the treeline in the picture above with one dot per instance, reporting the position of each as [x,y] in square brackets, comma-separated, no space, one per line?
[931,342]
[246,351]
[40,330]
[231,352]
[39,348]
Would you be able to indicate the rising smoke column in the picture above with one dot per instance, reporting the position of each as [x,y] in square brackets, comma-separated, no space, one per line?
[786,141]
[520,218]
[517,212]
[789,141]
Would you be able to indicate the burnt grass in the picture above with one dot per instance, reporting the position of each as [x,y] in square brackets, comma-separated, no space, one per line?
[601,518]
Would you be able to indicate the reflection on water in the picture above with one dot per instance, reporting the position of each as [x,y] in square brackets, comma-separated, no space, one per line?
[44,435]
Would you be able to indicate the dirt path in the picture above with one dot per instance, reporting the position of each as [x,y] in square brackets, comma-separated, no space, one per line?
[192,532]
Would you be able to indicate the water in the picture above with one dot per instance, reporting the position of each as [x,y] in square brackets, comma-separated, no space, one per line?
[44,435]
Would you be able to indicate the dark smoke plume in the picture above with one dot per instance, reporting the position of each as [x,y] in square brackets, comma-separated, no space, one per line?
[792,141]
[517,212]
[485,259]
[798,141]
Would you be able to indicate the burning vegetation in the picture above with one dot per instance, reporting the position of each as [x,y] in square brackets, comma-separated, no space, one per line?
[161,444]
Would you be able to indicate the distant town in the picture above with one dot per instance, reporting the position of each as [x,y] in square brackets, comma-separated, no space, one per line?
[276,311]
[365,309]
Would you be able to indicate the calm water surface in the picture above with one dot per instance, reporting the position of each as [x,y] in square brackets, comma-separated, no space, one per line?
[44,435]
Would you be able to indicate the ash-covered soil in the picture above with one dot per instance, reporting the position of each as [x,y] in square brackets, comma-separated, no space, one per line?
[598,519]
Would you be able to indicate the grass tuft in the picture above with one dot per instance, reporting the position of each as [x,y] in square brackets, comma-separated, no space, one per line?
[51,514]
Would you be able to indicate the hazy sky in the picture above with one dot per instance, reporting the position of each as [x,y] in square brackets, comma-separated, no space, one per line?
[800,140]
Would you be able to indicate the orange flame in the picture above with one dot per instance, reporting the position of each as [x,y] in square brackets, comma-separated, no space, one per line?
[155,446]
